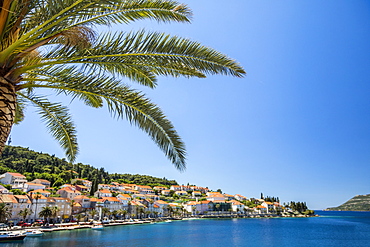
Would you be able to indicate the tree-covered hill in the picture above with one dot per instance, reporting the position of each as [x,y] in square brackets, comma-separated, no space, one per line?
[357,203]
[58,171]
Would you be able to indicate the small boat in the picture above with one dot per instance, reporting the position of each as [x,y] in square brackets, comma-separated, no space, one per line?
[34,233]
[168,221]
[97,227]
[11,236]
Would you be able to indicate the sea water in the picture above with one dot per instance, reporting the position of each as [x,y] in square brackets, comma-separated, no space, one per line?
[330,229]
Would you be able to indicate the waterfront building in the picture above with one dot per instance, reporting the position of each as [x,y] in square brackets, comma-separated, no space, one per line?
[38,202]
[269,206]
[237,206]
[84,201]
[68,192]
[63,204]
[112,203]
[260,209]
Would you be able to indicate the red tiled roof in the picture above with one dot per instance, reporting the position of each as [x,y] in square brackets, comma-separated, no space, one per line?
[15,174]
[105,191]
[111,199]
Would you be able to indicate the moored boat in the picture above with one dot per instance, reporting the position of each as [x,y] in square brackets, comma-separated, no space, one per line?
[97,227]
[34,233]
[11,236]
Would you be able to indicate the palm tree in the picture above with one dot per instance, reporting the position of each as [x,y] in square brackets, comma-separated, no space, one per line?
[4,212]
[55,210]
[93,212]
[105,211]
[24,213]
[155,214]
[36,196]
[114,214]
[46,213]
[122,213]
[52,45]
[218,207]
[79,217]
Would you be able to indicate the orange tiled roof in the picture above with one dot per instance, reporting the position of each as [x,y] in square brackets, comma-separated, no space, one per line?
[23,197]
[42,180]
[235,202]
[192,203]
[111,199]
[39,196]
[34,184]
[205,202]
[81,186]
[125,195]
[6,198]
[105,191]
[161,202]
[15,174]
[144,186]
[216,195]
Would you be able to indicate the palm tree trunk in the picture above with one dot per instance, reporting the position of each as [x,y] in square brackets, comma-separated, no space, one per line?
[7,110]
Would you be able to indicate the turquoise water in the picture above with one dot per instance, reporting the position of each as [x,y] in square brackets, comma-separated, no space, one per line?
[332,229]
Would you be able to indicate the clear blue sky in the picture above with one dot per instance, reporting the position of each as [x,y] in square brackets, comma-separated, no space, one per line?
[296,127]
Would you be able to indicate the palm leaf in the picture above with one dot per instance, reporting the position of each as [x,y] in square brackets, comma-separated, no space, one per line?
[141,56]
[58,121]
[50,18]
[122,102]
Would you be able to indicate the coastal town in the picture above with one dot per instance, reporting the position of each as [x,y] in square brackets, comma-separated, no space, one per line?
[75,202]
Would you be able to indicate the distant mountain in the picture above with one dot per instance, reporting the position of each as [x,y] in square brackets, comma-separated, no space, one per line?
[357,203]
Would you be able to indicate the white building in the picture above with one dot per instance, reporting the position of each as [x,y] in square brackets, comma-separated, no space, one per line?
[33,186]
[16,180]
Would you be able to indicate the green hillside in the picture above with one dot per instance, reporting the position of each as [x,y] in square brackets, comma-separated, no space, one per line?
[357,203]
[58,171]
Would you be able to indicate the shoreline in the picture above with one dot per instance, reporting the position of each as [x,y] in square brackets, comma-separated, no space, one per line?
[89,225]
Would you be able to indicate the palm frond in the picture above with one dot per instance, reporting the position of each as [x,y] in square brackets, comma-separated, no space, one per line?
[19,110]
[122,102]
[58,121]
[47,19]
[141,56]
